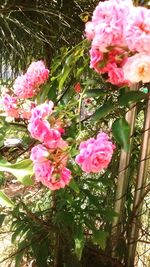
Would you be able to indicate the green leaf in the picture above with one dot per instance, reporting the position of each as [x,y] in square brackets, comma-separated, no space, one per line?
[2,218]
[64,75]
[42,96]
[109,214]
[74,186]
[79,242]
[22,170]
[41,252]
[5,200]
[121,132]
[103,111]
[21,228]
[130,97]
[52,93]
[92,199]
[21,249]
[100,237]
[65,218]
[95,92]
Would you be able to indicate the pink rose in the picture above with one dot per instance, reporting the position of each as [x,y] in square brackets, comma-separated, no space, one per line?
[54,180]
[43,171]
[96,57]
[52,138]
[10,105]
[137,30]
[39,153]
[108,22]
[24,87]
[89,30]
[39,129]
[116,75]
[60,179]
[27,85]
[95,154]
[38,73]
[42,111]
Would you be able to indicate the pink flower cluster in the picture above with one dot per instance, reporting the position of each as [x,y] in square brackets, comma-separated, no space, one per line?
[118,32]
[51,157]
[9,104]
[15,108]
[95,153]
[27,85]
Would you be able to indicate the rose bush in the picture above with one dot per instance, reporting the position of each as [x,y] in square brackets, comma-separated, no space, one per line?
[73,125]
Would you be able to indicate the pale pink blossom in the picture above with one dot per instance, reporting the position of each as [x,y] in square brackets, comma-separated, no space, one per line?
[113,8]
[95,154]
[137,30]
[89,30]
[137,68]
[107,35]
[38,73]
[39,153]
[24,87]
[9,104]
[108,22]
[42,111]
[27,85]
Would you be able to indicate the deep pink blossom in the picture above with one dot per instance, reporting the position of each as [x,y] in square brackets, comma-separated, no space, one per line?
[60,179]
[52,138]
[39,153]
[53,179]
[116,75]
[39,129]
[96,61]
[43,171]
[95,154]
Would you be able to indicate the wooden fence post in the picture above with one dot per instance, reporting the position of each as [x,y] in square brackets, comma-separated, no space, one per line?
[122,183]
[139,189]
